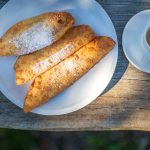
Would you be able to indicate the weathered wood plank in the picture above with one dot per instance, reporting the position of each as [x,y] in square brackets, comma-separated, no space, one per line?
[125,105]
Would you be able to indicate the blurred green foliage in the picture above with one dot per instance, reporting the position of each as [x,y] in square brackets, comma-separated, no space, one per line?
[105,141]
[32,140]
[17,140]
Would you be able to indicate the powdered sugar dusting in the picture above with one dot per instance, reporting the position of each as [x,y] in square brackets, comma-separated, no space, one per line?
[52,60]
[63,53]
[70,65]
[34,38]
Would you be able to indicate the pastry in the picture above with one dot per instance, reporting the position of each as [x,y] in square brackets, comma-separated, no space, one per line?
[58,78]
[27,67]
[35,33]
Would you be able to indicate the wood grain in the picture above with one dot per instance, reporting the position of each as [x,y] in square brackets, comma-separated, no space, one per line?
[125,104]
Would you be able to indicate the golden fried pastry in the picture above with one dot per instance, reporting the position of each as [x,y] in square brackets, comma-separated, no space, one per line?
[29,66]
[35,33]
[57,79]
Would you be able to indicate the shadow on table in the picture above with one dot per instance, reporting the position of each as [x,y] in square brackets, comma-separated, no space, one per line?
[121,67]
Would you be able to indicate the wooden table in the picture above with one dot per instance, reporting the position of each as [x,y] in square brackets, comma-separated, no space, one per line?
[125,105]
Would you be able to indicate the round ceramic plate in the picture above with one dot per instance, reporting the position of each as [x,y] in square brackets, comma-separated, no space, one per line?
[134,42]
[91,85]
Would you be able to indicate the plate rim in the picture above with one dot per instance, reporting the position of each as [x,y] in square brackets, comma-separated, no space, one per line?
[90,98]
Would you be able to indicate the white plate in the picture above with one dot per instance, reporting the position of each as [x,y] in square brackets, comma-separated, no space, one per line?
[134,42]
[91,85]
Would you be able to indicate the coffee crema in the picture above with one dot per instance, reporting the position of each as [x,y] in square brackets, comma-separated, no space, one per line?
[148,36]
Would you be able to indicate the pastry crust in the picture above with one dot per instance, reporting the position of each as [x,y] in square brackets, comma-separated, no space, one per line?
[57,79]
[28,67]
[35,33]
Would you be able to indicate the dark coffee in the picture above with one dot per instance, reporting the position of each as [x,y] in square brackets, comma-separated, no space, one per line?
[148,36]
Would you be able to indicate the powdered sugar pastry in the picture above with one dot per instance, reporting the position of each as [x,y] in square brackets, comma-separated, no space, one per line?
[34,38]
[53,60]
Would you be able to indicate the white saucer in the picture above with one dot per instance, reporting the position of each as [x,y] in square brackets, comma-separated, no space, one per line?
[134,42]
[91,85]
